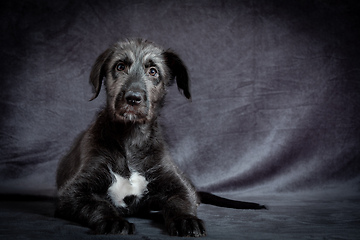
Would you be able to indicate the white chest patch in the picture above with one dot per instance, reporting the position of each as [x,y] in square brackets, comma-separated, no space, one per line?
[123,187]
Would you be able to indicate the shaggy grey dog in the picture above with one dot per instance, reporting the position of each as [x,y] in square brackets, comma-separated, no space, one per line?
[120,166]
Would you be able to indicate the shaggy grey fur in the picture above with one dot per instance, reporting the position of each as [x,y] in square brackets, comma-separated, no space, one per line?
[120,166]
[126,139]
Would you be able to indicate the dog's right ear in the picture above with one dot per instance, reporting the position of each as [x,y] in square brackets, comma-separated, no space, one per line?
[98,72]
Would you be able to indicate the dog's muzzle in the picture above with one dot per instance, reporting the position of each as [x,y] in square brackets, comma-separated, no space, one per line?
[132,106]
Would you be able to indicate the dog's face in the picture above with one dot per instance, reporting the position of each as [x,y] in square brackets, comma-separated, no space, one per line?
[136,74]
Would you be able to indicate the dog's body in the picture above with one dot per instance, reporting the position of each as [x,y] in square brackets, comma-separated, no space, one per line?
[120,166]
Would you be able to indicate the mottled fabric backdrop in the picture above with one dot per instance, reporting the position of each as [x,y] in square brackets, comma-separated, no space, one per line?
[275,90]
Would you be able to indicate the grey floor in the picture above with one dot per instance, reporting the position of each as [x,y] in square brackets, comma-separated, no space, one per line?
[290,216]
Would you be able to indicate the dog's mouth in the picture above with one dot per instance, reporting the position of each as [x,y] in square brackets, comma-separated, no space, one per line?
[131,114]
[131,108]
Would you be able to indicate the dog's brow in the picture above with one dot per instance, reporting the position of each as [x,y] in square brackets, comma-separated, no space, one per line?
[125,56]
[149,63]
[127,61]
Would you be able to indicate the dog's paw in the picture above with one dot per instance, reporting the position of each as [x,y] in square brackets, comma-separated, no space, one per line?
[119,226]
[186,226]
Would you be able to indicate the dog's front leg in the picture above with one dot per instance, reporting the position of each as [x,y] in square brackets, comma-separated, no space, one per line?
[82,202]
[180,218]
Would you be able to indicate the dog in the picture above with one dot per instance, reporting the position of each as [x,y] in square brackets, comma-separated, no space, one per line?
[120,165]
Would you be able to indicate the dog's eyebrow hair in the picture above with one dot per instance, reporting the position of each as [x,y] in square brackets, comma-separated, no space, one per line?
[126,60]
[150,63]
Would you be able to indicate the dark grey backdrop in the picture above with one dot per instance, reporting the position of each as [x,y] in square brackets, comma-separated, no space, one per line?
[275,86]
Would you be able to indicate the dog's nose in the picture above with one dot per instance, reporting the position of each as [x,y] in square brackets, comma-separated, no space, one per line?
[133,98]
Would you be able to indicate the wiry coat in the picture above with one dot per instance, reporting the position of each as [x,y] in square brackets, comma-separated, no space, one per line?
[120,165]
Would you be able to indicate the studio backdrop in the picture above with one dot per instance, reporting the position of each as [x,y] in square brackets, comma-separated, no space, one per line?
[275,89]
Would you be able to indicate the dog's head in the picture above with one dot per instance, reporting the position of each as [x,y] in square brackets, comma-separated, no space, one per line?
[136,74]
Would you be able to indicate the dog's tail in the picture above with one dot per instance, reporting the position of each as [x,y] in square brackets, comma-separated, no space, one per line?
[208,198]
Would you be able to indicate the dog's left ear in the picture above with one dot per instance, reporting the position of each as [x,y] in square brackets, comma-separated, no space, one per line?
[178,71]
[98,72]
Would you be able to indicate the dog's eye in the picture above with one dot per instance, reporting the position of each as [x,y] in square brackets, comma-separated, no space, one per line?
[120,66]
[153,72]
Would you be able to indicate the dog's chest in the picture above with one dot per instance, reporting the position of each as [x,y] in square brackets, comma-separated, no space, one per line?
[135,185]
